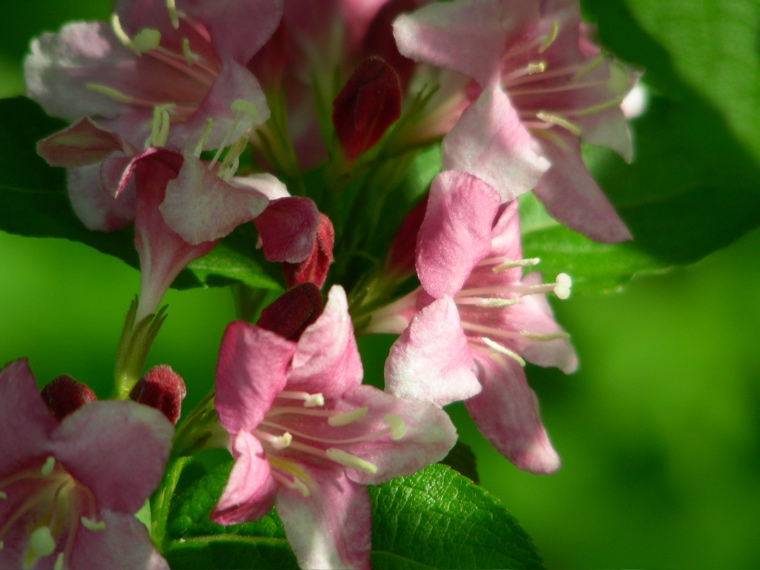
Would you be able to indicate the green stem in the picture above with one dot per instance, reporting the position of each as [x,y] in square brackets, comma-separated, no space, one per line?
[162,499]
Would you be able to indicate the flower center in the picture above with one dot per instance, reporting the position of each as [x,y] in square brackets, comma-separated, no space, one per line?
[51,506]
[291,433]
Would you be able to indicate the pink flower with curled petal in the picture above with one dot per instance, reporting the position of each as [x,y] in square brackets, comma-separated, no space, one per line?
[159,75]
[542,87]
[69,489]
[467,331]
[307,434]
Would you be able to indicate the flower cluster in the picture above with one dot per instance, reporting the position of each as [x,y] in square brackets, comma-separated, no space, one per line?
[308,128]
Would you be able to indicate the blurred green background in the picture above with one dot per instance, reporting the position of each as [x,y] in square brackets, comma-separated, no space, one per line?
[659,430]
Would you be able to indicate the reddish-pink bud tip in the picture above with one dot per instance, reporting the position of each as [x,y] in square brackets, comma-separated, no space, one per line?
[293,311]
[314,268]
[368,104]
[379,40]
[161,388]
[65,395]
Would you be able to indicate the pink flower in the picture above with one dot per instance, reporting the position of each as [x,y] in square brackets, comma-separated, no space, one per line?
[69,489]
[542,87]
[467,331]
[304,431]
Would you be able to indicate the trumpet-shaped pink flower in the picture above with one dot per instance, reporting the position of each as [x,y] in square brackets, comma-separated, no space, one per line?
[542,87]
[69,489]
[467,331]
[304,431]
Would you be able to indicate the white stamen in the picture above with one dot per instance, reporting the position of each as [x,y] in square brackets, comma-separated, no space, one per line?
[171,6]
[590,66]
[301,486]
[114,94]
[496,302]
[550,38]
[340,456]
[559,121]
[283,441]
[536,67]
[231,161]
[146,40]
[314,400]
[204,137]
[120,34]
[544,336]
[160,126]
[48,466]
[398,429]
[503,350]
[516,263]
[93,525]
[58,562]
[563,285]
[42,542]
[598,108]
[347,417]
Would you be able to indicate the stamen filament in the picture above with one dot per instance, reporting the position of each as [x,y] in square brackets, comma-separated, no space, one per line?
[366,437]
[92,525]
[544,336]
[347,417]
[171,7]
[503,350]
[550,38]
[557,89]
[310,400]
[559,121]
[340,456]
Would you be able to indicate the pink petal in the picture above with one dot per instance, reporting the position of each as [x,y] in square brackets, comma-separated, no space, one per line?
[201,207]
[25,421]
[572,197]
[431,360]
[456,232]
[249,375]
[116,449]
[124,544]
[429,435]
[506,413]
[92,203]
[327,360]
[490,142]
[80,144]
[250,490]
[287,228]
[332,527]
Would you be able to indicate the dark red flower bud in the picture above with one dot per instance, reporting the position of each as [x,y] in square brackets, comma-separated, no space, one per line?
[401,257]
[292,311]
[379,40]
[65,395]
[314,268]
[161,388]
[368,104]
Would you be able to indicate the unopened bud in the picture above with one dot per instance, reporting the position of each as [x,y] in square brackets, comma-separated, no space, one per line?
[379,40]
[314,268]
[161,388]
[293,311]
[368,104]
[65,395]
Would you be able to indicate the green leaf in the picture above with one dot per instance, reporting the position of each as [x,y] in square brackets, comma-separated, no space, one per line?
[34,202]
[433,519]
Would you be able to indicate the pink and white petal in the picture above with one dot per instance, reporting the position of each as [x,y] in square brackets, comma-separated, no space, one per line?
[201,207]
[124,544]
[490,142]
[506,413]
[250,490]
[431,361]
[80,144]
[265,183]
[25,421]
[506,237]
[287,229]
[429,435]
[327,359]
[116,449]
[467,36]
[608,128]
[331,528]
[572,197]
[60,66]
[92,203]
[455,234]
[250,373]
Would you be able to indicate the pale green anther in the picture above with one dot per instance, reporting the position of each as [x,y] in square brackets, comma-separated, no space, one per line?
[243,106]
[171,6]
[120,34]
[114,94]
[146,40]
[283,441]
[496,302]
[517,263]
[314,400]
[536,67]
[559,121]
[398,428]
[190,57]
[42,542]
[92,525]
[204,137]
[503,350]
[3,495]
[58,562]
[160,125]
[301,486]
[347,417]
[340,456]
[48,466]
[544,336]
[550,38]
[2,545]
